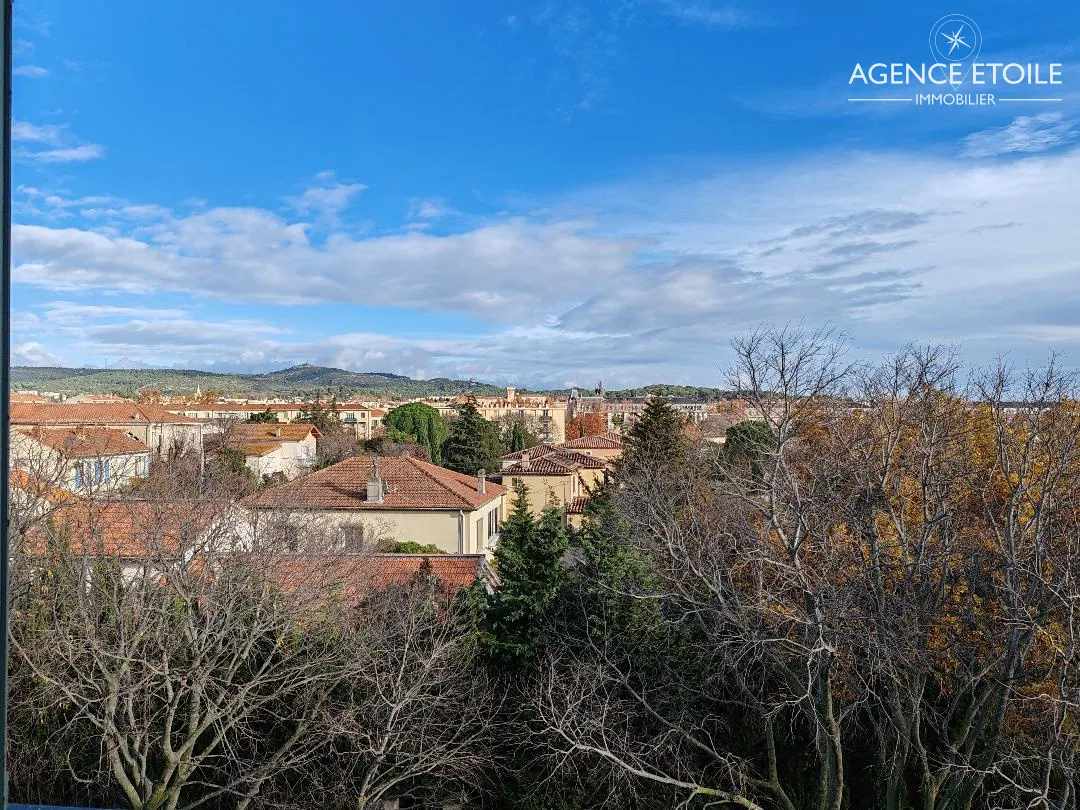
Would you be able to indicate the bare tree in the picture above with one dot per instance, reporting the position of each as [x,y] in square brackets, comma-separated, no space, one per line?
[178,666]
[881,605]
[418,716]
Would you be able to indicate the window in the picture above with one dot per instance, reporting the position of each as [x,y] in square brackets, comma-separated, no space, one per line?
[107,471]
[99,471]
[479,532]
[78,476]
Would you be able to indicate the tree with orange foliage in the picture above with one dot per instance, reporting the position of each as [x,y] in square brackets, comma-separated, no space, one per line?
[586,424]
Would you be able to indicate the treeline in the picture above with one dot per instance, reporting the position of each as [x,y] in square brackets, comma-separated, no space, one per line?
[839,607]
[304,382]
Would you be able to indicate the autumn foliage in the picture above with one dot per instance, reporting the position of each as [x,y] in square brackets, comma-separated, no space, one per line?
[586,424]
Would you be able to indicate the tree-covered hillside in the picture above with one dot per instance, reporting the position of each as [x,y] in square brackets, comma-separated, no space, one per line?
[302,380]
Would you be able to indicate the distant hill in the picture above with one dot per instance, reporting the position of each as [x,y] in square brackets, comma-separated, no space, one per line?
[299,381]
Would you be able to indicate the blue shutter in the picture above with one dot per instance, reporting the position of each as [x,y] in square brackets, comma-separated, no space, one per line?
[78,476]
[107,471]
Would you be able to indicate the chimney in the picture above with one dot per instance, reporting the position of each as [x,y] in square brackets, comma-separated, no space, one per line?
[374,484]
[511,393]
[481,482]
[525,462]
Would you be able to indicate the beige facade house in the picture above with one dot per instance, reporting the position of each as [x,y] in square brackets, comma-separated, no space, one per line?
[604,446]
[363,420]
[271,448]
[553,475]
[396,498]
[161,431]
[80,459]
[545,415]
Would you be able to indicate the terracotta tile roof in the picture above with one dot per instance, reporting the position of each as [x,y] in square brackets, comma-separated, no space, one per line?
[534,452]
[31,484]
[128,529]
[552,460]
[601,441]
[255,432]
[352,576]
[576,506]
[29,398]
[257,407]
[410,484]
[87,442]
[83,398]
[94,413]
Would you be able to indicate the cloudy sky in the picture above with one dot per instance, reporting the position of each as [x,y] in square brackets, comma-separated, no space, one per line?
[534,192]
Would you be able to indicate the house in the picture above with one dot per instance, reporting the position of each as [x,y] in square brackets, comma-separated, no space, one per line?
[134,534]
[272,448]
[545,415]
[604,446]
[82,398]
[80,459]
[352,576]
[398,498]
[363,420]
[161,431]
[553,475]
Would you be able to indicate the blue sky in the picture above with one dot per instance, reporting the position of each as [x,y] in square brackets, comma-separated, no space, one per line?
[541,193]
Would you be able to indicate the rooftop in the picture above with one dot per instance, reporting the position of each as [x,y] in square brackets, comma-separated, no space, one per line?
[408,484]
[127,529]
[87,442]
[601,441]
[93,413]
[354,575]
[548,459]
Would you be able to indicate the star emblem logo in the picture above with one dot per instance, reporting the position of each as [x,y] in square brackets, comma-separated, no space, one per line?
[955,39]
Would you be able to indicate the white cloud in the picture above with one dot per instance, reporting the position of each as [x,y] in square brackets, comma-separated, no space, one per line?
[328,199]
[32,353]
[71,154]
[66,148]
[1025,133]
[429,208]
[709,14]
[31,71]
[49,133]
[503,269]
[635,282]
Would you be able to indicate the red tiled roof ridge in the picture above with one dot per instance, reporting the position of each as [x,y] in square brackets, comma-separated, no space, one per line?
[445,489]
[95,413]
[606,440]
[87,441]
[541,450]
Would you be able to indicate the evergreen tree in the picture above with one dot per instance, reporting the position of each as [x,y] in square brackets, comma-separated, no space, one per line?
[474,443]
[517,439]
[263,417]
[748,443]
[532,576]
[420,423]
[657,440]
